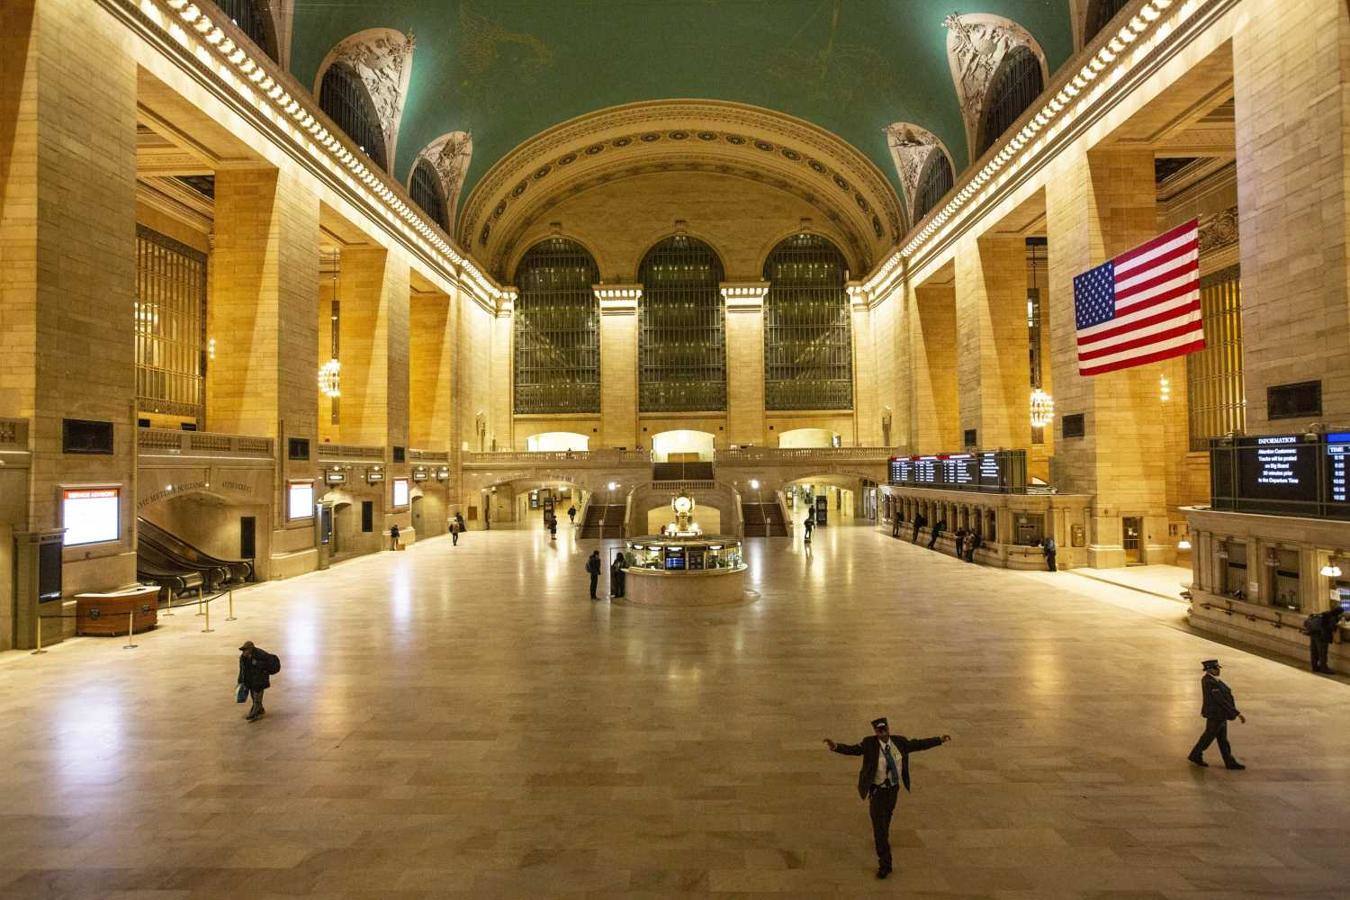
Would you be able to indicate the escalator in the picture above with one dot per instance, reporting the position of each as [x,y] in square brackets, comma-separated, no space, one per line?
[158,551]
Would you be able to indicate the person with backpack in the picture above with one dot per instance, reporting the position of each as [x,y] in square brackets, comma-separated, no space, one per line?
[454,532]
[1321,631]
[256,666]
[593,569]
[808,525]
[393,536]
[618,574]
[572,514]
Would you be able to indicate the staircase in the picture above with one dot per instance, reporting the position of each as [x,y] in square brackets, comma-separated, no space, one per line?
[764,520]
[682,471]
[602,521]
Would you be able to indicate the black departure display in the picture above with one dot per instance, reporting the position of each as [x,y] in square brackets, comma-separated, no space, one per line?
[1294,474]
[1337,462]
[1000,471]
[1279,467]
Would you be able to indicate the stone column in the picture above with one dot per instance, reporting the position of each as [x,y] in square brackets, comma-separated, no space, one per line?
[1291,86]
[374,347]
[1099,206]
[68,269]
[500,392]
[994,376]
[618,364]
[431,361]
[867,388]
[933,358]
[745,361]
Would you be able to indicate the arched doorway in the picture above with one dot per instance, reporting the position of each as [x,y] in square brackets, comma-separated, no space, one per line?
[557,442]
[682,445]
[809,437]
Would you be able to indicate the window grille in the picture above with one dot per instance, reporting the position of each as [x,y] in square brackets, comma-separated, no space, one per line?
[253,21]
[1014,86]
[1216,399]
[1099,15]
[343,96]
[557,330]
[426,192]
[682,359]
[170,315]
[808,336]
[934,183]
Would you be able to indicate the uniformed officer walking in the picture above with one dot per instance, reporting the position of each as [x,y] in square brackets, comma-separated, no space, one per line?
[1218,709]
[885,766]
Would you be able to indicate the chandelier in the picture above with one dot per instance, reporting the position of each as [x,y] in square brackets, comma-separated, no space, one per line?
[330,378]
[1042,408]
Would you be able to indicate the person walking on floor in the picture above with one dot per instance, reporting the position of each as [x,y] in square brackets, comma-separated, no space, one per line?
[885,767]
[1321,631]
[935,534]
[552,528]
[572,514]
[459,518]
[808,525]
[1048,548]
[920,520]
[896,523]
[593,569]
[1218,709]
[256,666]
[454,532]
[393,536]
[618,576]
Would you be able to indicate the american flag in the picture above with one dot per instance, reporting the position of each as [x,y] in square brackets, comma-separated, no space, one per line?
[1142,306]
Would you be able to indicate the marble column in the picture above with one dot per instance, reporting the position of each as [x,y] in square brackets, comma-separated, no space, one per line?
[618,364]
[745,361]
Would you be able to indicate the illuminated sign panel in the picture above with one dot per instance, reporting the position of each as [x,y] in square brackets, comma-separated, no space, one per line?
[1338,473]
[91,515]
[993,471]
[400,492]
[300,500]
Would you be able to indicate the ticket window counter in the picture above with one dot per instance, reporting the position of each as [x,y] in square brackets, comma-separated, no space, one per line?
[1029,528]
[1233,569]
[1283,585]
[687,556]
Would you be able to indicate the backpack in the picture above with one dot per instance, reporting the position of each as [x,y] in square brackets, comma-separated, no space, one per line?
[1312,624]
[272,665]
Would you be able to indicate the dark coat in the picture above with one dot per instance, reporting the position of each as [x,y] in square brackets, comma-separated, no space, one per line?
[593,565]
[1217,702]
[869,748]
[253,670]
[1327,623]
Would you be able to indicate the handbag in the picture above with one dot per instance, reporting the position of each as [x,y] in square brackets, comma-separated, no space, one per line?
[241,693]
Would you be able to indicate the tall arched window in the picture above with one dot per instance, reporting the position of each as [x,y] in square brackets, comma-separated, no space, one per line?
[425,187]
[1014,86]
[935,181]
[557,330]
[1099,14]
[254,21]
[808,341]
[682,353]
[343,96]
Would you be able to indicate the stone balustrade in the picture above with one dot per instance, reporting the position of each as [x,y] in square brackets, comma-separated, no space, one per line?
[167,442]
[350,452]
[578,458]
[799,454]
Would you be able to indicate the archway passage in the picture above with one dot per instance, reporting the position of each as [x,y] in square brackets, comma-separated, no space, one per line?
[557,442]
[682,446]
[809,437]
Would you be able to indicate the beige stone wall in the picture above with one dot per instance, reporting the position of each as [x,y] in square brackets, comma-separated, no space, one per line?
[475,350]
[935,426]
[431,362]
[891,367]
[618,379]
[993,375]
[374,336]
[745,375]
[1293,112]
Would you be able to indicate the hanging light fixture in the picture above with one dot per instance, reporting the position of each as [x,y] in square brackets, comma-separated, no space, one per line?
[1331,569]
[330,378]
[1164,389]
[1042,408]
[330,373]
[1183,544]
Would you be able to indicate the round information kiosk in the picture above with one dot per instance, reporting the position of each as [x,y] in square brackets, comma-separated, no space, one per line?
[685,571]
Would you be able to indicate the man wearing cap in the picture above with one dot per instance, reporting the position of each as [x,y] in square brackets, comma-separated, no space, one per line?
[256,666]
[1218,709]
[885,766]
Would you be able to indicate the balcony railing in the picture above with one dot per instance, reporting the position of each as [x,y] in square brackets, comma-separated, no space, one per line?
[792,454]
[558,458]
[440,456]
[167,442]
[338,452]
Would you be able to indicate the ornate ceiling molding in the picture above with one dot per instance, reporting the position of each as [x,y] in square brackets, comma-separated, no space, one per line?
[450,155]
[383,59]
[911,147]
[976,44]
[682,135]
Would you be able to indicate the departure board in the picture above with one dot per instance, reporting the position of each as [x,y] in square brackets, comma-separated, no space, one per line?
[1338,473]
[1279,468]
[995,471]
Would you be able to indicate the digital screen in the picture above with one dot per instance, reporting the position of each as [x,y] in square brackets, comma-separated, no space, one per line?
[300,500]
[902,470]
[1278,467]
[991,475]
[400,492]
[960,470]
[674,558]
[1338,472]
[91,515]
[980,471]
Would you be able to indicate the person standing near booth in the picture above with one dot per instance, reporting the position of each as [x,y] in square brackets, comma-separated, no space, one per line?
[593,569]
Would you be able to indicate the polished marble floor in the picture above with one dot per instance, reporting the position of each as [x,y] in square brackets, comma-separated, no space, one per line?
[463,719]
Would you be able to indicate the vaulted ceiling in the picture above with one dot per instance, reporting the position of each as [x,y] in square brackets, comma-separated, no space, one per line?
[506,70]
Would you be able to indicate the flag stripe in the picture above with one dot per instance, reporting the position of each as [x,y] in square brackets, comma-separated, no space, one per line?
[1181,350]
[1142,306]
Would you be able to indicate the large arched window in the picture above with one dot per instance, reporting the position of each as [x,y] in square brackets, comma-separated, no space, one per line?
[557,330]
[808,343]
[935,181]
[1014,86]
[343,96]
[425,187]
[254,21]
[1099,14]
[682,354]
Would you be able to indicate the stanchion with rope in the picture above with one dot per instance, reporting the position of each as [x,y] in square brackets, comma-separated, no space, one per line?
[200,592]
[208,629]
[39,651]
[230,617]
[131,630]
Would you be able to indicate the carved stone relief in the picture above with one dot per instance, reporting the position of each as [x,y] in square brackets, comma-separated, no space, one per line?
[976,44]
[911,147]
[382,57]
[1219,230]
[450,155]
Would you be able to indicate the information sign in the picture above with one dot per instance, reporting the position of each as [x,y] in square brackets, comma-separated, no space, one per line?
[1338,473]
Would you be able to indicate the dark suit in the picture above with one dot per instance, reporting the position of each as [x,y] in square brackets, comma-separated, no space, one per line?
[1323,634]
[1218,708]
[882,798]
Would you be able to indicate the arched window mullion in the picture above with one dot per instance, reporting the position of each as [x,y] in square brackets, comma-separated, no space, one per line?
[557,330]
[681,329]
[343,96]
[1099,15]
[254,21]
[1016,84]
[425,188]
[808,340]
[935,181]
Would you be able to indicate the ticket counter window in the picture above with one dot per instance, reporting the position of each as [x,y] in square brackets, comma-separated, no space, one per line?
[1233,554]
[1284,579]
[1030,529]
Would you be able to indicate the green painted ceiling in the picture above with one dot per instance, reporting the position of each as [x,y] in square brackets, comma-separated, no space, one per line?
[505,70]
